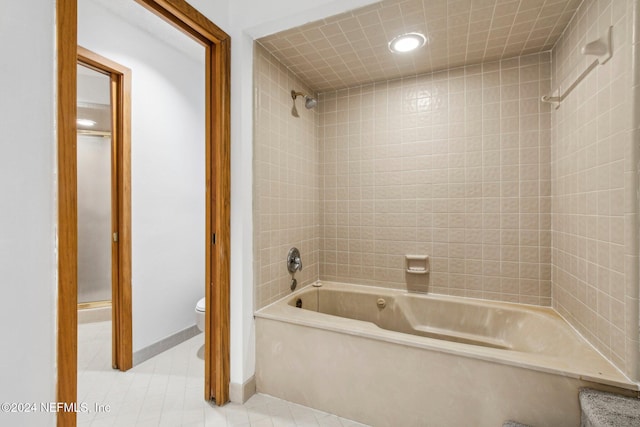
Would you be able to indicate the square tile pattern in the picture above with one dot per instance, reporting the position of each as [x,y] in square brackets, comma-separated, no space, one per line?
[286,180]
[351,49]
[506,194]
[167,390]
[595,185]
[454,165]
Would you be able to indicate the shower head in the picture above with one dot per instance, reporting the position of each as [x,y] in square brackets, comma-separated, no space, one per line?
[309,102]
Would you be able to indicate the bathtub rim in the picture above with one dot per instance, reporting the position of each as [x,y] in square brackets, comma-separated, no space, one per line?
[281,311]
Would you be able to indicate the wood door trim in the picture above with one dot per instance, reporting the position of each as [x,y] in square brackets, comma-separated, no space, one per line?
[67,341]
[184,16]
[218,189]
[219,321]
[217,46]
[120,80]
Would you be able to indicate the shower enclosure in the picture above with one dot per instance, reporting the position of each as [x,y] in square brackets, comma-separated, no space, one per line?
[94,189]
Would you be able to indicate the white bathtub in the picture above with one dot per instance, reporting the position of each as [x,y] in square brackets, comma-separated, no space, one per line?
[390,358]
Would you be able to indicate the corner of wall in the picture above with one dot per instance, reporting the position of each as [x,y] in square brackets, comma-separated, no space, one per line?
[595,184]
[633,345]
[242,325]
[240,393]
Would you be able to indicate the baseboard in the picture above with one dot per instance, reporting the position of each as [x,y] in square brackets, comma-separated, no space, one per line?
[164,344]
[94,314]
[240,393]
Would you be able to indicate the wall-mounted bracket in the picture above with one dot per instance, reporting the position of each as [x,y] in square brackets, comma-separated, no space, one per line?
[600,48]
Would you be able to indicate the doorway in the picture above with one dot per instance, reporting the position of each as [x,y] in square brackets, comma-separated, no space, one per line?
[104,199]
[217,172]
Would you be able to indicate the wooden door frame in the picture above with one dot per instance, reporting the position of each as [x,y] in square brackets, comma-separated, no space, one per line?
[120,85]
[217,239]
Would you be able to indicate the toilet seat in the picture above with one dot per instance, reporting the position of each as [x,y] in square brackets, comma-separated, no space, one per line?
[200,306]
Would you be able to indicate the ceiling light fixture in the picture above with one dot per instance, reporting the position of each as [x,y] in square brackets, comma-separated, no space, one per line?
[85,122]
[407,42]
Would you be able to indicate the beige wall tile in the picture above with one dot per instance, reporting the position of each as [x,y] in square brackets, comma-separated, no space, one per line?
[286,181]
[458,159]
[464,165]
[589,134]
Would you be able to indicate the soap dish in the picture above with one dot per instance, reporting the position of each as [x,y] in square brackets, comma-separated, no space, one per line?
[417,264]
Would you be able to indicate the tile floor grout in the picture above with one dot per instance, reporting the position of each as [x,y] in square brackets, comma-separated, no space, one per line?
[166,390]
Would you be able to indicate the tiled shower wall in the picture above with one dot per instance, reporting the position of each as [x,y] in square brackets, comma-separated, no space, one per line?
[454,165]
[458,165]
[286,181]
[595,279]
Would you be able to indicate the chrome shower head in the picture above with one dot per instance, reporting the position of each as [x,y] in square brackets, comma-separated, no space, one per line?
[309,102]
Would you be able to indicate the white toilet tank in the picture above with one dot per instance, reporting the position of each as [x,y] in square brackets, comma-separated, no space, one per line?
[200,307]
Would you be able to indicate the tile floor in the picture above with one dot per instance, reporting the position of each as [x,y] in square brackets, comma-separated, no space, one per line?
[167,391]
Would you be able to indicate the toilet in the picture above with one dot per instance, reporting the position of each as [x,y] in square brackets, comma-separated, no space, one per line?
[200,314]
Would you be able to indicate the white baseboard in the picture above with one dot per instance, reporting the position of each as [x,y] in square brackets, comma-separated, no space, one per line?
[164,344]
[240,393]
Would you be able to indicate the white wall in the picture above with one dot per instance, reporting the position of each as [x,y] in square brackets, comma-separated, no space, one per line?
[167,162]
[216,10]
[27,215]
[260,18]
[27,144]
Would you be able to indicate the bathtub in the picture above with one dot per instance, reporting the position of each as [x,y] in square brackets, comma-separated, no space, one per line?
[386,357]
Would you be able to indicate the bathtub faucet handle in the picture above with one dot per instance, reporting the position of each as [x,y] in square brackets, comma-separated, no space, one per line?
[294,261]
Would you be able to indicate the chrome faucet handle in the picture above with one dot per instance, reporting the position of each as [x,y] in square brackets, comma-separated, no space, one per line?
[294,262]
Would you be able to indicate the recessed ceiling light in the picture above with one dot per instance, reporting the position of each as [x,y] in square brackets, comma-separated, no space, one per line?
[407,42]
[85,122]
